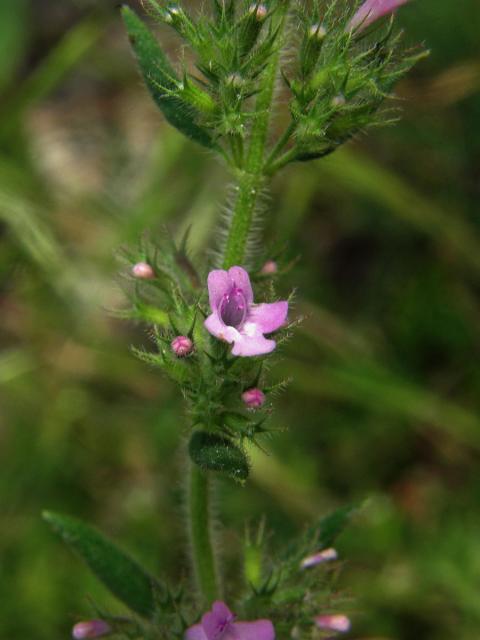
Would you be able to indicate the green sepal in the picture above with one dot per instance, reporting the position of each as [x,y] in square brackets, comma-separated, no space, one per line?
[161,80]
[119,573]
[213,452]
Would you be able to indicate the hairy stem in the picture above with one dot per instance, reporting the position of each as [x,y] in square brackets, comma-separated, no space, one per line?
[250,178]
[201,535]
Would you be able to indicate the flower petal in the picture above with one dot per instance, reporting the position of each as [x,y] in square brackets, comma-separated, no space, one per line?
[219,329]
[255,345]
[219,284]
[195,633]
[241,280]
[217,621]
[269,316]
[372,10]
[258,630]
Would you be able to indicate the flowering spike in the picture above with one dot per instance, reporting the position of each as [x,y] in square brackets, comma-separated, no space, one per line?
[253,398]
[182,346]
[91,629]
[143,271]
[371,11]
[336,622]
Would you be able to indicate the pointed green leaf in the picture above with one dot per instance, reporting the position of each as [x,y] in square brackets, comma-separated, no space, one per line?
[160,79]
[320,535]
[118,572]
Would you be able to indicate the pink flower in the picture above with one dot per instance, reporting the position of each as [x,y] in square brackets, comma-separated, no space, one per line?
[182,346]
[236,319]
[219,624]
[91,629]
[337,622]
[372,10]
[253,398]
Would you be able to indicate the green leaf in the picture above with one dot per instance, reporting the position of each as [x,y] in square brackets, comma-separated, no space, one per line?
[160,79]
[328,528]
[320,535]
[213,452]
[118,572]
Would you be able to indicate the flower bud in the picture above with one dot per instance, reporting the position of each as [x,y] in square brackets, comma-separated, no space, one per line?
[253,398]
[143,271]
[318,558]
[260,11]
[91,629]
[336,622]
[269,268]
[339,101]
[251,26]
[311,48]
[182,346]
[317,31]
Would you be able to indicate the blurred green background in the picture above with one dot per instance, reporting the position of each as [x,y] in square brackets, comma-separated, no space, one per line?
[385,399]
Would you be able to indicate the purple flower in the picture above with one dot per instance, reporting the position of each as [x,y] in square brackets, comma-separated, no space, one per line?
[325,555]
[372,10]
[91,629]
[236,319]
[219,624]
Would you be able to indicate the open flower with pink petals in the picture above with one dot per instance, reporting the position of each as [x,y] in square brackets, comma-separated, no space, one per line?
[371,11]
[236,319]
[220,624]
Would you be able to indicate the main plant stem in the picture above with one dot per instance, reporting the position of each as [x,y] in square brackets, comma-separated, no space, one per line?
[251,178]
[201,535]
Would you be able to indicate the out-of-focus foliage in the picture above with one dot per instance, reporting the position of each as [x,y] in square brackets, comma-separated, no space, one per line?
[384,401]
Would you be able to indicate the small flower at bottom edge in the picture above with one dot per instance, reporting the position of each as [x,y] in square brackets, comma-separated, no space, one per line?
[335,622]
[91,629]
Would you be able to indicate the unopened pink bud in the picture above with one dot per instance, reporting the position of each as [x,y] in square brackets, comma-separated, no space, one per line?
[91,629]
[317,31]
[318,558]
[339,101]
[182,346]
[270,267]
[337,622]
[253,398]
[259,11]
[143,271]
